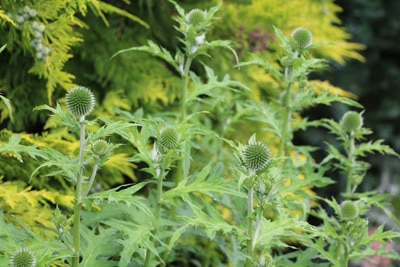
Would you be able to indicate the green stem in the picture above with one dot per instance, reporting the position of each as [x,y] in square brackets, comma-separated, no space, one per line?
[250,211]
[343,256]
[286,121]
[288,108]
[351,158]
[94,172]
[179,175]
[184,87]
[78,196]
[157,208]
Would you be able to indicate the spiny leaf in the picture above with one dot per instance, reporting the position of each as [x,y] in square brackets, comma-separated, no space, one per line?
[98,247]
[200,184]
[125,196]
[265,64]
[374,146]
[65,118]
[14,148]
[155,50]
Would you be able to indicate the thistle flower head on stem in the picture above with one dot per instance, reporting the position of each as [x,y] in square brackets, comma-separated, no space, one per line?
[302,37]
[256,156]
[100,147]
[80,101]
[352,121]
[348,210]
[196,17]
[169,137]
[23,257]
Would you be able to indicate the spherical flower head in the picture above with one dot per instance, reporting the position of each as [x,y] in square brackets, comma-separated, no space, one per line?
[196,17]
[23,257]
[352,121]
[80,101]
[256,156]
[100,147]
[169,137]
[348,210]
[302,37]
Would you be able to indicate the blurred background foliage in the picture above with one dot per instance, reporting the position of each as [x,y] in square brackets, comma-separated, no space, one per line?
[83,35]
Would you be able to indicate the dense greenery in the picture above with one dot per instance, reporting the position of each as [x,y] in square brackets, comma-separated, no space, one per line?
[182,151]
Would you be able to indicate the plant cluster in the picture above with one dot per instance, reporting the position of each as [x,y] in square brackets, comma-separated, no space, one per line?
[202,197]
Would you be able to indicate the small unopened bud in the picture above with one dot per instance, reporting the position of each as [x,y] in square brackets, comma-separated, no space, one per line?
[100,147]
[169,137]
[348,210]
[302,37]
[196,17]
[352,121]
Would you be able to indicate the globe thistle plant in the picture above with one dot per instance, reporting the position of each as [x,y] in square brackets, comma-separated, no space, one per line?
[80,101]
[256,156]
[100,147]
[196,17]
[169,137]
[352,121]
[23,257]
[302,37]
[348,210]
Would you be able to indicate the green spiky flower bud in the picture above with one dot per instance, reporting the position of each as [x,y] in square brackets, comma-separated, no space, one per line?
[256,156]
[302,37]
[352,121]
[169,137]
[348,210]
[23,257]
[196,17]
[100,147]
[80,101]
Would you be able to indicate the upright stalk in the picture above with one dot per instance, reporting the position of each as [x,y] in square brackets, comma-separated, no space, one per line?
[179,175]
[157,210]
[350,156]
[250,211]
[184,87]
[288,108]
[78,196]
[286,122]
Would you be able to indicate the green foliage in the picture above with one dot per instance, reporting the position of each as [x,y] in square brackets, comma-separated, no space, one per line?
[200,197]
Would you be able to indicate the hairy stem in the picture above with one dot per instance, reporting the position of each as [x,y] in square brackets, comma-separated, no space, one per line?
[179,174]
[351,158]
[91,180]
[157,210]
[286,121]
[78,197]
[250,210]
[287,115]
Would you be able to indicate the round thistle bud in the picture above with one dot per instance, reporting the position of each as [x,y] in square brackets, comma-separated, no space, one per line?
[80,101]
[169,137]
[352,121]
[100,147]
[256,156]
[196,17]
[268,186]
[23,258]
[348,210]
[303,37]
